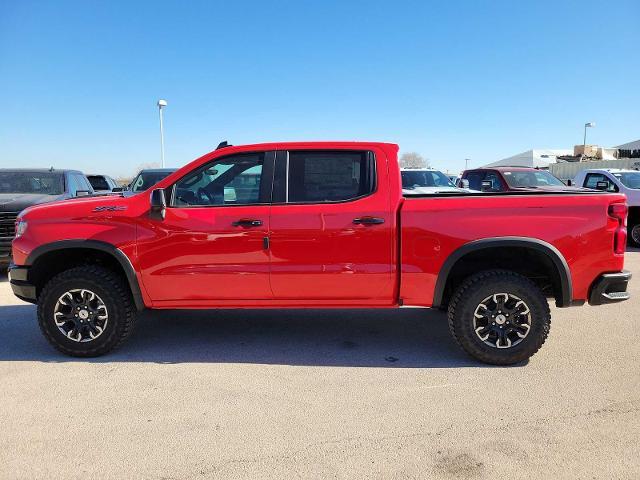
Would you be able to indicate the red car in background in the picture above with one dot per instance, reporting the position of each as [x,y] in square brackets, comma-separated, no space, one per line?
[510,179]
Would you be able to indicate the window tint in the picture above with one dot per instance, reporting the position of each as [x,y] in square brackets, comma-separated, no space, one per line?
[592,179]
[424,178]
[496,182]
[98,182]
[475,180]
[229,181]
[329,176]
[629,179]
[147,179]
[31,182]
[524,178]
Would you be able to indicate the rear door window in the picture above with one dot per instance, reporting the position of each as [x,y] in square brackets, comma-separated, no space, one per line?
[329,176]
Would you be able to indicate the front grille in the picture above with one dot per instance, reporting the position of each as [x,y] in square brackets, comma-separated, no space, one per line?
[8,224]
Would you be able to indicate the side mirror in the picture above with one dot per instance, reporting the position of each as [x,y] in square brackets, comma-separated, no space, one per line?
[82,193]
[464,183]
[158,203]
[604,186]
[569,183]
[117,189]
[486,186]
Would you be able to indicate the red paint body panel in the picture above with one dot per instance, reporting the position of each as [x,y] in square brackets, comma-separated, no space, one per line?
[197,254]
[319,254]
[316,256]
[432,229]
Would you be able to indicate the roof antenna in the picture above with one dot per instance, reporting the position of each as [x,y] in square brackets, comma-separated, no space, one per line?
[223,144]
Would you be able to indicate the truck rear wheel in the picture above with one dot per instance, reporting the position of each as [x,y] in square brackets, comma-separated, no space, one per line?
[499,317]
[86,311]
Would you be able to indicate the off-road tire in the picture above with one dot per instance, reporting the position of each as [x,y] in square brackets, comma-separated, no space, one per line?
[114,292]
[481,285]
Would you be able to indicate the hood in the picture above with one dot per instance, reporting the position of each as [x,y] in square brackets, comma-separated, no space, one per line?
[74,206]
[16,202]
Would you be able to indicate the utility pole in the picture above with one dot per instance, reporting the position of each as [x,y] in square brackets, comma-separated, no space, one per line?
[161,105]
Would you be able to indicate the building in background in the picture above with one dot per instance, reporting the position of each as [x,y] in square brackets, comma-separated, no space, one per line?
[565,163]
[630,146]
[536,158]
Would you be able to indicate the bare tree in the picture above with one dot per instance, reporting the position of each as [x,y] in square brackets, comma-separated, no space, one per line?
[413,160]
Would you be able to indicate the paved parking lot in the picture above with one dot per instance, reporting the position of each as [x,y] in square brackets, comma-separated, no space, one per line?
[311,394]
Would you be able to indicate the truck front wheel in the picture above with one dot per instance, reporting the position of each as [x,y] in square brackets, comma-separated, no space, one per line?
[499,317]
[86,311]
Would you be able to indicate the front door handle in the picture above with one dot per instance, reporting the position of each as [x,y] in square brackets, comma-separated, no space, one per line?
[247,222]
[368,220]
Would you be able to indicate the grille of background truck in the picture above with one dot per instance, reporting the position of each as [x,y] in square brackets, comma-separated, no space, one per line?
[7,229]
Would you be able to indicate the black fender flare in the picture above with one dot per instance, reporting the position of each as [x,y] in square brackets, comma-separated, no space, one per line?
[549,250]
[115,252]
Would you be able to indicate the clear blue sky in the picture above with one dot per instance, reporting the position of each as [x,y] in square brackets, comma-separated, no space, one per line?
[481,80]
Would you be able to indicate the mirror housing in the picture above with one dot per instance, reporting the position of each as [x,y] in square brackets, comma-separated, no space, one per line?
[569,183]
[464,183]
[486,186]
[158,202]
[604,186]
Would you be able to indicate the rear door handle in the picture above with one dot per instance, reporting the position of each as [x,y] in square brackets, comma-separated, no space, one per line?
[247,222]
[368,220]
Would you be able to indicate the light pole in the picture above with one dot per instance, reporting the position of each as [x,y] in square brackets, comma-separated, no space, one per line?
[466,163]
[584,142]
[161,105]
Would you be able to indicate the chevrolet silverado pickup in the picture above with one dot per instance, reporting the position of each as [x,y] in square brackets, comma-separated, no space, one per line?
[319,225]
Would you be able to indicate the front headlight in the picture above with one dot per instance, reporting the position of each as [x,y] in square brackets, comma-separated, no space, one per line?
[21,227]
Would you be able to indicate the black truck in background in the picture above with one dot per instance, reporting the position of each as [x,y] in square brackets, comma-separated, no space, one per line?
[22,188]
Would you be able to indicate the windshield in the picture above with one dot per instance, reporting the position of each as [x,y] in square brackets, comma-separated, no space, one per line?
[629,179]
[525,178]
[424,178]
[146,180]
[45,183]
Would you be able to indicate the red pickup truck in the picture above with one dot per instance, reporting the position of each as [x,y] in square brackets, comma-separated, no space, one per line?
[322,225]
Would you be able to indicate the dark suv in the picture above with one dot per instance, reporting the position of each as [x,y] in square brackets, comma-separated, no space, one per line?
[20,189]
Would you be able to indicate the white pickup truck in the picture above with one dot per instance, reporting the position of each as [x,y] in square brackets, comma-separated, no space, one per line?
[617,180]
[426,181]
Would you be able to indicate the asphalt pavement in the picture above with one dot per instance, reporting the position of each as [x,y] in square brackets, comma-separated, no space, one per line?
[321,394]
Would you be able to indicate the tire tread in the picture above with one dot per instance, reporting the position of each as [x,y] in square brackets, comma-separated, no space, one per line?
[496,357]
[109,281]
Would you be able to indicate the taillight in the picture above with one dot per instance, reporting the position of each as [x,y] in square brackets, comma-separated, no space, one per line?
[619,212]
